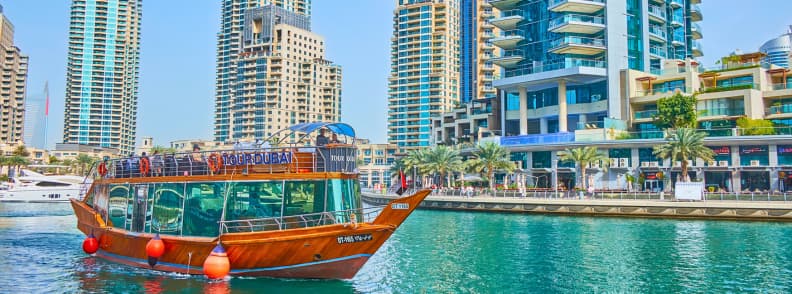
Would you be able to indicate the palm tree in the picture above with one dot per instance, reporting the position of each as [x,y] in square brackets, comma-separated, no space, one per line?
[490,157]
[443,160]
[52,159]
[21,151]
[69,163]
[415,161]
[84,160]
[683,144]
[17,162]
[582,156]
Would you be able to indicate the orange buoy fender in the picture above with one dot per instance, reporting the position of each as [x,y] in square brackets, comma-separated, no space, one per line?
[90,244]
[216,265]
[154,249]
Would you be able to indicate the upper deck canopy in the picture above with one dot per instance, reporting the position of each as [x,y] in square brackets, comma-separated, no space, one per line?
[338,128]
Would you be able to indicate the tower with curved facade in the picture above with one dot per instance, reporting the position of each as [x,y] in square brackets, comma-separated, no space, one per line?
[778,50]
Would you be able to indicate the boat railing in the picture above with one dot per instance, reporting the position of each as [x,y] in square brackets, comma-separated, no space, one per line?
[350,216]
[329,158]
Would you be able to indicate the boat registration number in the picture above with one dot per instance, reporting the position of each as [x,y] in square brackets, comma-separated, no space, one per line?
[354,238]
[400,206]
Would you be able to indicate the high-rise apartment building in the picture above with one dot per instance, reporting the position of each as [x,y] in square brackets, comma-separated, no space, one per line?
[562,58]
[476,71]
[778,50]
[425,67]
[36,113]
[271,70]
[102,73]
[12,89]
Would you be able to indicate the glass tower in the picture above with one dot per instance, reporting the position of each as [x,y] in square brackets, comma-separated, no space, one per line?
[425,67]
[102,73]
[778,50]
[561,59]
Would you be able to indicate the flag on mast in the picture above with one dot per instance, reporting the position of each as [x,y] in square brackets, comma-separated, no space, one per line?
[402,183]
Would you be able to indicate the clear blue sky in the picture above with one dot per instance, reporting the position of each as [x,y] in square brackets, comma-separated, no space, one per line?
[178,51]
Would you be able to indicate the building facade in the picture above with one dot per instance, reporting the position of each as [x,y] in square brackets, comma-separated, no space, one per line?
[271,71]
[476,72]
[778,50]
[70,151]
[425,78]
[102,74]
[562,58]
[468,123]
[36,118]
[376,161]
[12,91]
[746,159]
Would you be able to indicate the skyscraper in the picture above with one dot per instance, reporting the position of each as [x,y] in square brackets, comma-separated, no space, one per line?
[424,78]
[778,50]
[102,73]
[476,71]
[12,90]
[271,70]
[36,115]
[562,58]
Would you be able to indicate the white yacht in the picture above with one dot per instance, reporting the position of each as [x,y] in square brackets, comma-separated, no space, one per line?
[30,186]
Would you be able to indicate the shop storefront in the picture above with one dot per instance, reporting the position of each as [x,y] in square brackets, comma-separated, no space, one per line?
[753,178]
[652,181]
[717,176]
[755,181]
[785,171]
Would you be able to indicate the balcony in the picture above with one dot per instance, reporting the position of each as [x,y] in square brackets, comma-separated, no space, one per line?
[733,87]
[567,63]
[695,31]
[487,14]
[508,58]
[697,50]
[695,13]
[657,34]
[503,4]
[509,39]
[575,23]
[779,109]
[677,21]
[657,52]
[675,4]
[678,40]
[487,35]
[577,45]
[582,6]
[644,114]
[722,111]
[508,19]
[657,13]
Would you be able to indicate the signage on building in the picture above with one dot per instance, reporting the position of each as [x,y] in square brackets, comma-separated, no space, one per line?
[753,149]
[723,150]
[784,149]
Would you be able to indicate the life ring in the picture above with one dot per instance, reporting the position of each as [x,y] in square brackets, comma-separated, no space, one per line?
[215,162]
[145,166]
[102,169]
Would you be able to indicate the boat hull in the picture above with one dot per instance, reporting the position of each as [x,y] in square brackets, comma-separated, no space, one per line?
[43,195]
[335,251]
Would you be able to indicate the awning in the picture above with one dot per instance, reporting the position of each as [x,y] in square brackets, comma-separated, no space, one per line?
[338,128]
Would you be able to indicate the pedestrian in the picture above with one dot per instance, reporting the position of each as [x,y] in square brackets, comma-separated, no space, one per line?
[156,164]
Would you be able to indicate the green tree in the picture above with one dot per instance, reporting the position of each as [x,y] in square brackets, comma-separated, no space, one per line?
[161,150]
[83,160]
[755,127]
[69,163]
[415,161]
[21,151]
[582,156]
[443,160]
[17,162]
[682,145]
[53,160]
[677,111]
[488,158]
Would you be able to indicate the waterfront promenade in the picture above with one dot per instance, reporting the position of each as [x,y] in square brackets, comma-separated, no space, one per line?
[749,207]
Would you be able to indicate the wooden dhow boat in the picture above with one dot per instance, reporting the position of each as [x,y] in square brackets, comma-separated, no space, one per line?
[287,210]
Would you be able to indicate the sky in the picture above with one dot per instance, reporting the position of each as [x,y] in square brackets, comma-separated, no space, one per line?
[178,48]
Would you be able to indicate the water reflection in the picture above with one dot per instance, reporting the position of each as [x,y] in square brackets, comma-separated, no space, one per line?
[441,252]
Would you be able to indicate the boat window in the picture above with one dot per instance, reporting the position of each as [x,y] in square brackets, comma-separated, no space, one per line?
[203,209]
[166,215]
[52,184]
[254,200]
[303,197]
[117,206]
[343,194]
[139,212]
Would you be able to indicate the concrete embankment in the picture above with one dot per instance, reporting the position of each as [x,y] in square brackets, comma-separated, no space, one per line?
[727,210]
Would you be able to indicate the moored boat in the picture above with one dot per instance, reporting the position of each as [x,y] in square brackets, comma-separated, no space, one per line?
[30,186]
[286,210]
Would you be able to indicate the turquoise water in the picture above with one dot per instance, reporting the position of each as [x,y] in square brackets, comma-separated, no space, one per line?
[447,252]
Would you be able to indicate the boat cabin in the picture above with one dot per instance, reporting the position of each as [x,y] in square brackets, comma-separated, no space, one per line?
[208,193]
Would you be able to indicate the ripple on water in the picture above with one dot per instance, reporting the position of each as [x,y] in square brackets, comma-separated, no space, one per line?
[448,252]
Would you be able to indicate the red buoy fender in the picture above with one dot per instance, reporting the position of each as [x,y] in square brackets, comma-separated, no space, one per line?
[102,169]
[216,265]
[155,247]
[90,244]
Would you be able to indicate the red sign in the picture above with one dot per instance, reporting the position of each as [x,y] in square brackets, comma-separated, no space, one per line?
[724,150]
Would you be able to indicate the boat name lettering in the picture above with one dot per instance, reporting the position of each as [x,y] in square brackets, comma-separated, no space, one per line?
[257,158]
[341,158]
[400,206]
[354,238]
